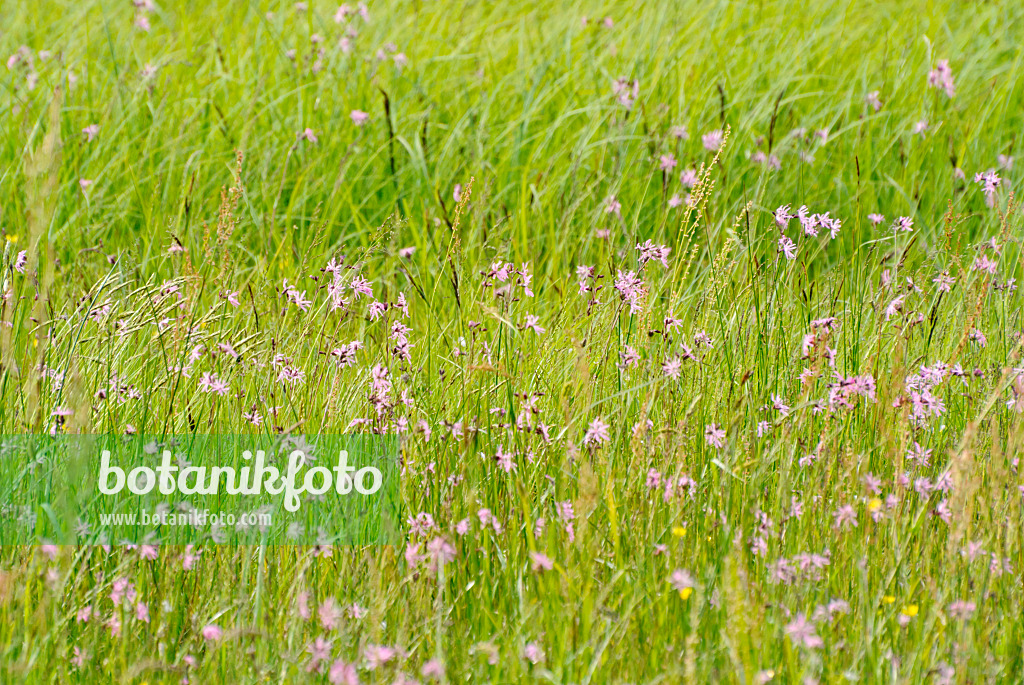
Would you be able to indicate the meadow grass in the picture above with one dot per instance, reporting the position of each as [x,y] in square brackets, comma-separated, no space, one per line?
[749,451]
